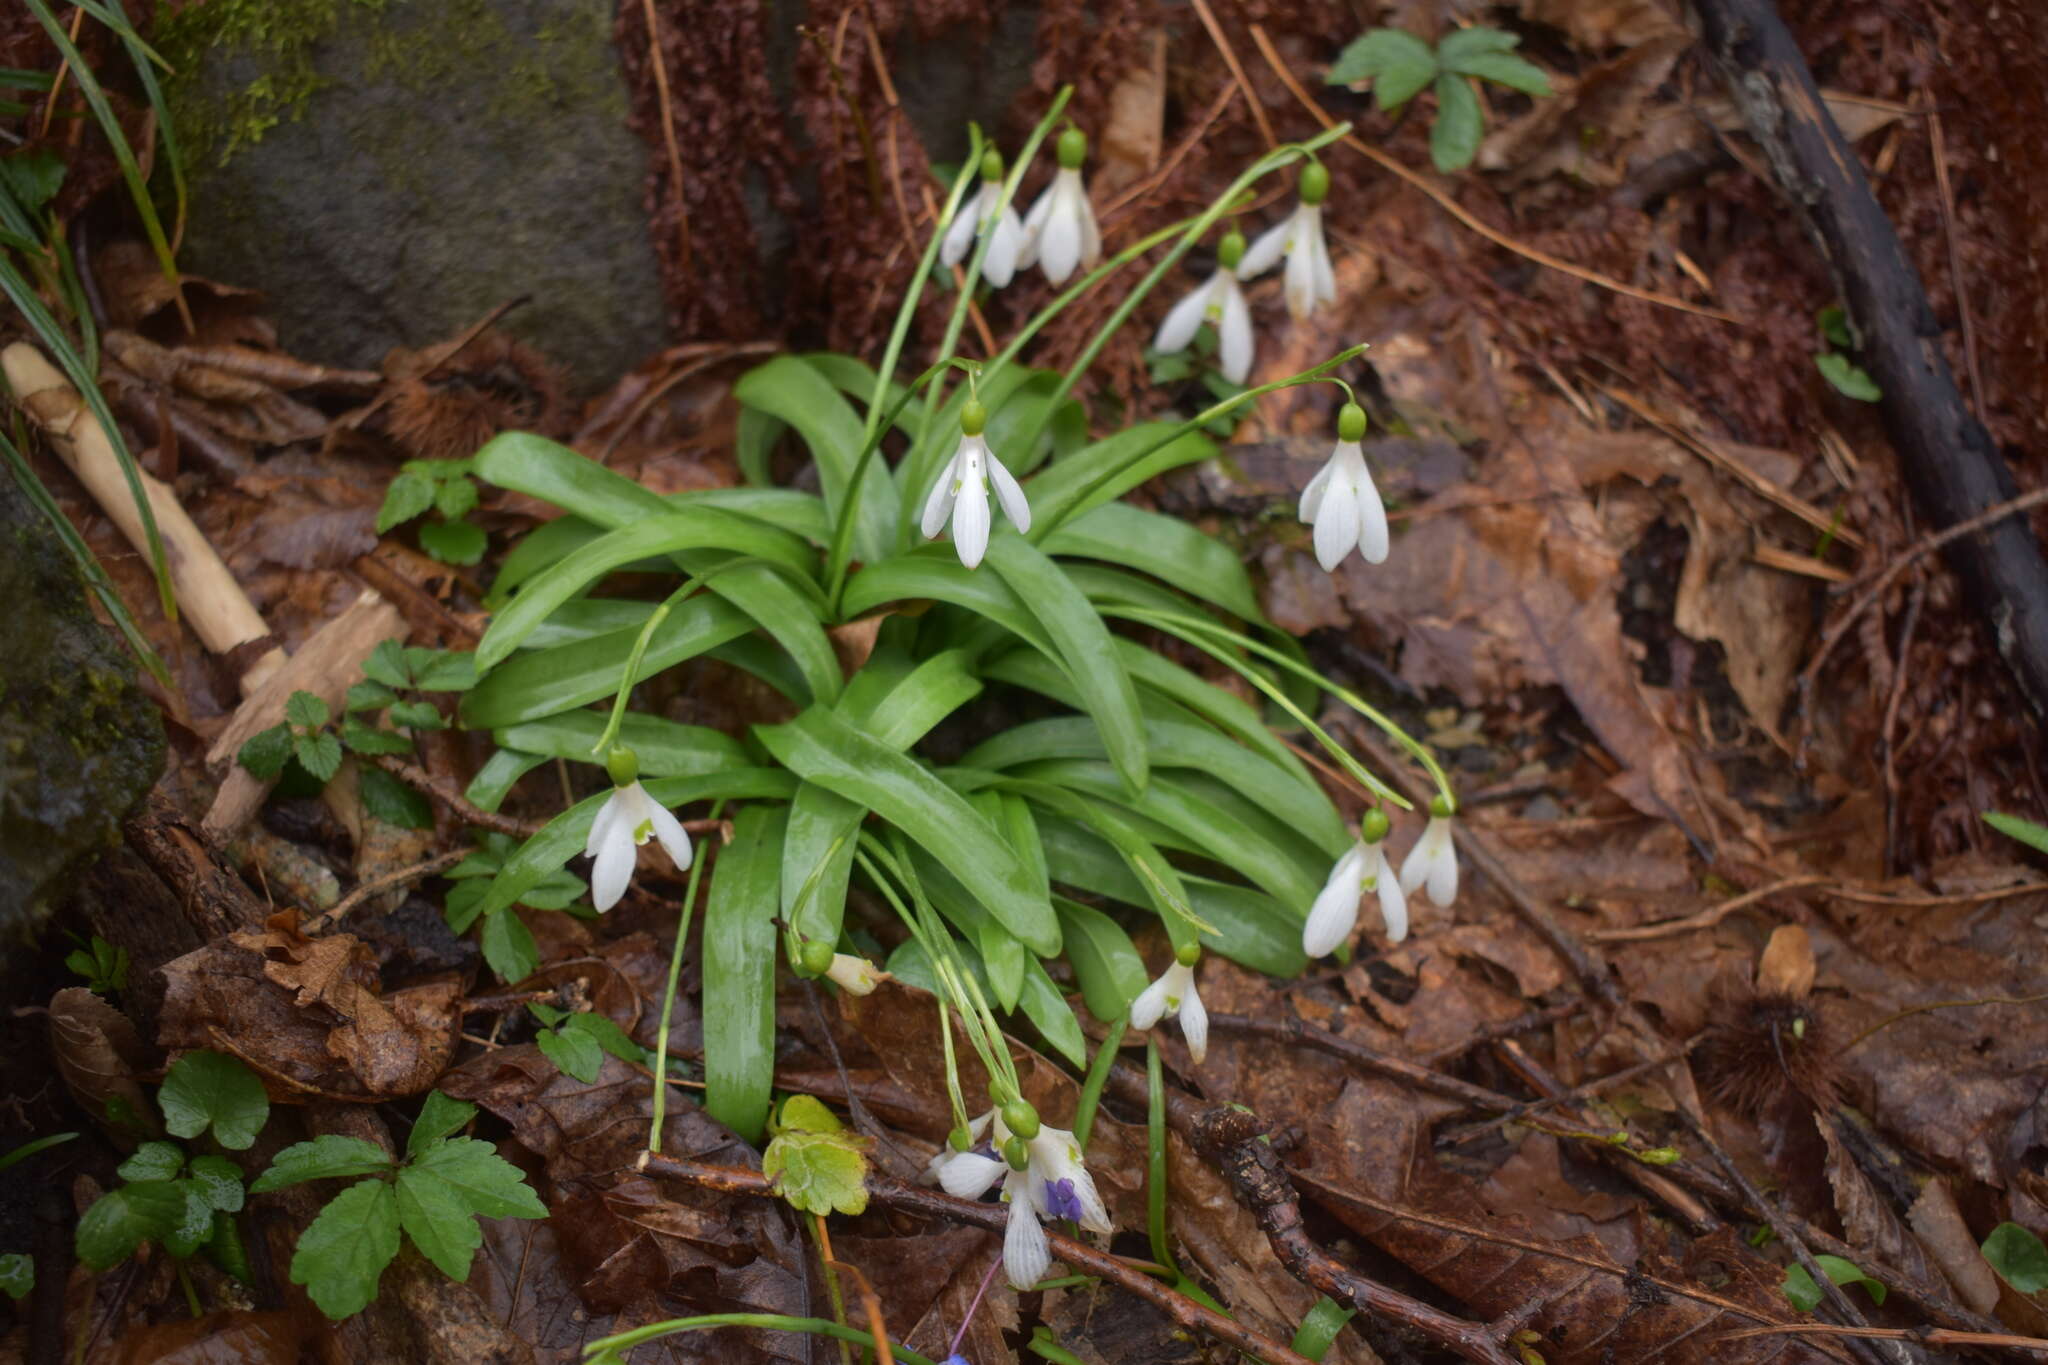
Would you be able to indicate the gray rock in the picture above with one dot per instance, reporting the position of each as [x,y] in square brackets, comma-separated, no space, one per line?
[387,171]
[79,744]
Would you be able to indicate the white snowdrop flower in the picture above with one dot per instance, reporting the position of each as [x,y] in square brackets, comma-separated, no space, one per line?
[1433,862]
[1299,237]
[1173,995]
[966,1171]
[855,975]
[1342,503]
[961,492]
[1364,867]
[628,818]
[1060,231]
[1219,300]
[985,215]
[1043,1176]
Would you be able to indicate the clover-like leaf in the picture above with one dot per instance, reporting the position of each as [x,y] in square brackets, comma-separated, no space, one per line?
[368,739]
[573,1052]
[607,1034]
[439,1116]
[324,1158]
[1454,137]
[306,711]
[205,1089]
[1398,64]
[456,498]
[219,1181]
[453,542]
[265,753]
[1805,1295]
[194,1227]
[153,1161]
[1505,68]
[344,1250]
[125,1218]
[819,1172]
[408,495]
[318,754]
[807,1114]
[2018,1256]
[387,664]
[417,715]
[368,696]
[509,947]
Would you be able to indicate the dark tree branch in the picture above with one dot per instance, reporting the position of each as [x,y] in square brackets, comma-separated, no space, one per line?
[1949,461]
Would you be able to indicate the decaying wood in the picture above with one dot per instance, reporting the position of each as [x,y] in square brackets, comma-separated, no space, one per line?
[1949,461]
[216,899]
[327,666]
[221,614]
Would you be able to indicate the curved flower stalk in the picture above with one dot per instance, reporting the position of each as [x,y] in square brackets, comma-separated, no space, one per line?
[1043,1176]
[1218,300]
[1342,503]
[1299,237]
[1060,232]
[628,819]
[961,492]
[1174,995]
[986,215]
[1433,862]
[1364,867]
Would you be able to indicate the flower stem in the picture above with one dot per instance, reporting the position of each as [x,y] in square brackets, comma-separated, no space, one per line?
[1098,1075]
[612,1350]
[1155,1157]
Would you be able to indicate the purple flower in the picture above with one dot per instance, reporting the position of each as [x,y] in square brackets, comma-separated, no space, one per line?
[1061,1201]
[956,1360]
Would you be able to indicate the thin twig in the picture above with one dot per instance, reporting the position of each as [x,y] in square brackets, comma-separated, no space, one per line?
[425,783]
[895,1194]
[1891,721]
[1934,1005]
[1365,1058]
[1452,207]
[1955,262]
[1251,96]
[1188,143]
[668,135]
[1704,919]
[377,886]
[1924,1336]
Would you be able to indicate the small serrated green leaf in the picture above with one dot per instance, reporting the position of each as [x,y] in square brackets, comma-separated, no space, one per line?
[1398,64]
[806,1114]
[574,1053]
[607,1035]
[265,753]
[439,1116]
[125,1218]
[305,711]
[344,1250]
[367,739]
[386,798]
[1454,137]
[819,1172]
[2018,1256]
[387,664]
[432,1213]
[319,755]
[410,494]
[456,498]
[219,1181]
[453,542]
[205,1089]
[417,715]
[486,1183]
[327,1157]
[1505,68]
[368,696]
[153,1161]
[17,1275]
[1848,378]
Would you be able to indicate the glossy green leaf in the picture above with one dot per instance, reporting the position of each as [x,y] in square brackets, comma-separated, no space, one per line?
[1084,647]
[667,533]
[500,773]
[1107,470]
[440,1117]
[508,946]
[753,445]
[1166,547]
[344,1250]
[739,972]
[1001,954]
[126,1217]
[1399,65]
[327,1157]
[574,1053]
[205,1090]
[547,682]
[934,572]
[537,549]
[821,748]
[792,509]
[1044,1006]
[1319,1328]
[2018,1256]
[1105,963]
[664,747]
[1460,121]
[795,392]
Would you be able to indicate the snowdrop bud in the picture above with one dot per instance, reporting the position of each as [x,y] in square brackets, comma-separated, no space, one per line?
[1351,423]
[1020,1118]
[1442,807]
[1230,250]
[960,1140]
[1374,825]
[991,165]
[973,417]
[1315,183]
[1018,1153]
[1073,149]
[815,957]
[623,764]
[1188,956]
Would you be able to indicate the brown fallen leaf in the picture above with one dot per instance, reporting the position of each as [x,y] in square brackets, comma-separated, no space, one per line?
[99,1054]
[227,1337]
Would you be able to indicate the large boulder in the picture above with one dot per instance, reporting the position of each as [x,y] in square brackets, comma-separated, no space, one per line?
[79,743]
[388,173]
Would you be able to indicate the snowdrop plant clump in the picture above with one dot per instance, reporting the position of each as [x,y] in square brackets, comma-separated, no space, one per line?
[1141,794]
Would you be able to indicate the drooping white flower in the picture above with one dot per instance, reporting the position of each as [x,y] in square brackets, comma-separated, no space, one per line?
[961,492]
[1174,995]
[1342,503]
[1219,301]
[628,818]
[1060,231]
[1364,867]
[1299,237]
[985,215]
[1433,862]
[855,975]
[1054,1183]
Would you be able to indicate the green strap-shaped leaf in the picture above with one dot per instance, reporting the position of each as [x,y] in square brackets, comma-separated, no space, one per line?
[793,510]
[933,572]
[538,549]
[794,391]
[1167,548]
[586,618]
[1103,958]
[547,682]
[664,747]
[1107,470]
[667,533]
[821,748]
[1085,648]
[1044,1006]
[857,381]
[488,789]
[753,445]
[739,973]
